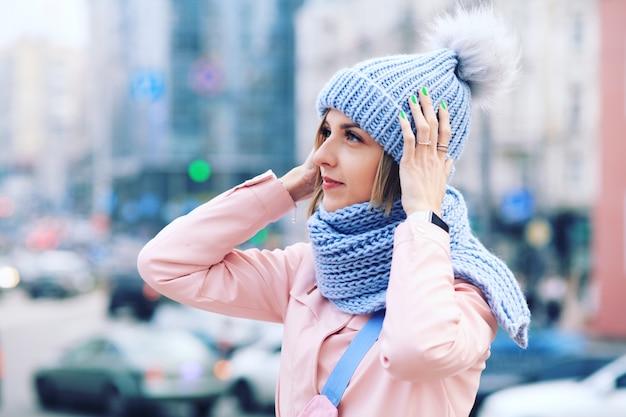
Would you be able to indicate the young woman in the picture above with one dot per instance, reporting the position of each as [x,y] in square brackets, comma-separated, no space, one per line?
[386,233]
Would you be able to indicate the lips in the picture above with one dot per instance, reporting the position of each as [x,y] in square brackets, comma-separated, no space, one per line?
[329,183]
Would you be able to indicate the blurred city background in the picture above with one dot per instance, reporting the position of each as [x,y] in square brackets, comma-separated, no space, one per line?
[117,116]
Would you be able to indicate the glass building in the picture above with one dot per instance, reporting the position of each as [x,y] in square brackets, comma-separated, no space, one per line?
[220,103]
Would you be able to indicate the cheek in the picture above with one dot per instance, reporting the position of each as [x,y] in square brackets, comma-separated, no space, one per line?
[366,176]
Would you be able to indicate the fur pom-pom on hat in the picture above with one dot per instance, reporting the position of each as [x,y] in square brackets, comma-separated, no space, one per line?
[487,50]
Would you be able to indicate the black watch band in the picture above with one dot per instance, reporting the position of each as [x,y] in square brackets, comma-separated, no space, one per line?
[434,219]
[431,217]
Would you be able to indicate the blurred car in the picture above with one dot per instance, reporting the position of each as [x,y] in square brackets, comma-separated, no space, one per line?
[254,371]
[55,273]
[130,295]
[1,370]
[574,367]
[603,393]
[510,365]
[225,333]
[132,367]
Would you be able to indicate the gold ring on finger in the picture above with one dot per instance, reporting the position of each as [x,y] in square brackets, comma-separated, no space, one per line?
[424,143]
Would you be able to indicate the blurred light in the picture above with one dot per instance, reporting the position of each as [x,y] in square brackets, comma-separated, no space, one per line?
[153,375]
[9,277]
[48,234]
[538,233]
[7,206]
[149,205]
[42,239]
[190,370]
[101,222]
[222,370]
[199,170]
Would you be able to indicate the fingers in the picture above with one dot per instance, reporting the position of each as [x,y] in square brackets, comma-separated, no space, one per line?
[432,131]
[424,167]
[444,129]
[429,117]
[407,134]
[421,112]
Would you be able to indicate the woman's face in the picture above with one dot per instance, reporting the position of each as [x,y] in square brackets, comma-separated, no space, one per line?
[348,159]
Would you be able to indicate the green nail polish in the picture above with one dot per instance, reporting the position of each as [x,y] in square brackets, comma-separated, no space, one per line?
[413,99]
[403,115]
[424,91]
[444,105]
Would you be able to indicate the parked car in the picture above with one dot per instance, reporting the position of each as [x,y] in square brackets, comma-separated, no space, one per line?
[1,370]
[227,333]
[574,367]
[130,366]
[510,365]
[130,295]
[603,393]
[55,273]
[254,371]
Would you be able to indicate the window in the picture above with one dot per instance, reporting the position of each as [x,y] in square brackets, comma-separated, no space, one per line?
[577,31]
[575,107]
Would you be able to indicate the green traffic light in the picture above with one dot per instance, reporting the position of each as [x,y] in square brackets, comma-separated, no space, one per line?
[199,170]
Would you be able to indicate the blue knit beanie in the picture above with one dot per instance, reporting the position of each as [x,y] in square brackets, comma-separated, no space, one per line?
[474,57]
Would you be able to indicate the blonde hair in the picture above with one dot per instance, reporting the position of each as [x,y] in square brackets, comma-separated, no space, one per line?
[386,188]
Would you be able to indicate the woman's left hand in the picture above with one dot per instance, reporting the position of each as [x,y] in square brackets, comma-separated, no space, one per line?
[424,168]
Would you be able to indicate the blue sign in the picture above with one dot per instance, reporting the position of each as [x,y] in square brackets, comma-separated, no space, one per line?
[205,77]
[517,205]
[147,84]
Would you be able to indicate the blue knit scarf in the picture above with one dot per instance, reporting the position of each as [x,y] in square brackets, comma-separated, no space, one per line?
[353,246]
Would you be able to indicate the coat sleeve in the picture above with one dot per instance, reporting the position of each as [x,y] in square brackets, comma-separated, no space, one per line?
[435,326]
[193,260]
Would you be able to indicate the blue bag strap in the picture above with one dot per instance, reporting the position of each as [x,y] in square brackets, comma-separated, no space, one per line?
[342,372]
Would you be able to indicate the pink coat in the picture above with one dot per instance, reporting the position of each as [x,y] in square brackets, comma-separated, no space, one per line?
[436,334]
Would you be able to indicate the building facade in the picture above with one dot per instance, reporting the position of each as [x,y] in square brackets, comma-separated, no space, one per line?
[204,84]
[609,243]
[41,128]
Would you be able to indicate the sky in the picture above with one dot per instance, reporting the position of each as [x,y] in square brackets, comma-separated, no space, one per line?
[62,21]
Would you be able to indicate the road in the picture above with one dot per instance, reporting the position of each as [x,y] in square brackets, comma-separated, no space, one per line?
[31,330]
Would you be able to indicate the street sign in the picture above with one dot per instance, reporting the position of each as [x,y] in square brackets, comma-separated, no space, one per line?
[205,77]
[517,206]
[147,84]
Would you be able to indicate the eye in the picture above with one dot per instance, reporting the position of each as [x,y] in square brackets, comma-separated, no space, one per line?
[353,137]
[325,132]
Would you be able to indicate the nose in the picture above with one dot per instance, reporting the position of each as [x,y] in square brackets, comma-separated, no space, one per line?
[325,155]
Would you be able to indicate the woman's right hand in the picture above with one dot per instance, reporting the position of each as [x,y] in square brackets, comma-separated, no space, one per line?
[424,167]
[300,181]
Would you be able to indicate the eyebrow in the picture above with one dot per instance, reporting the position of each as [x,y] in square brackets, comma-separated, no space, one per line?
[344,125]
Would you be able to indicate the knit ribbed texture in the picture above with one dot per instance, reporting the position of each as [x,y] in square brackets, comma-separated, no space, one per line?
[373,92]
[353,247]
[473,262]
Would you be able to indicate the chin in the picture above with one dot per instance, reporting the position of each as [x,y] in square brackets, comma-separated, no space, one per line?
[332,206]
